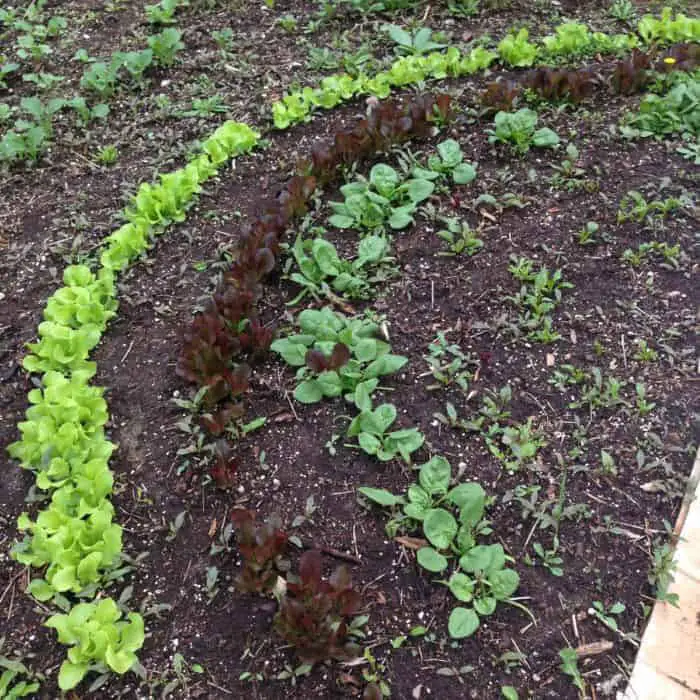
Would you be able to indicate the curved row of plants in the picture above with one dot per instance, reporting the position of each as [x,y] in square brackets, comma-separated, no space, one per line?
[75,539]
[337,355]
[63,438]
[571,41]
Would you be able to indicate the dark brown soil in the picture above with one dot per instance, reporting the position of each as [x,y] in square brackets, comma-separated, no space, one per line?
[58,210]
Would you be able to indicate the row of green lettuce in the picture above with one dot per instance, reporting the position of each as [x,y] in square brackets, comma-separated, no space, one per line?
[570,41]
[63,438]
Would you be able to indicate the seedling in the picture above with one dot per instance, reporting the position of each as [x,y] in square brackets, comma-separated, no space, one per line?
[416,44]
[588,235]
[107,155]
[550,558]
[607,463]
[623,11]
[644,352]
[569,666]
[643,406]
[289,23]
[670,254]
[448,364]
[463,8]
[514,446]
[661,573]
[166,45]
[163,12]
[570,176]
[537,298]
[460,238]
[634,207]
[596,390]
[449,161]
[607,615]
[16,680]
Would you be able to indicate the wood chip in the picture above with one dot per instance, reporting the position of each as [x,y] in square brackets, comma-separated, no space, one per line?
[283,418]
[594,648]
[411,542]
[550,359]
[212,528]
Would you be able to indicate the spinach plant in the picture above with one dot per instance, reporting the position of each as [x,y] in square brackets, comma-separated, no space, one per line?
[166,45]
[448,364]
[539,295]
[519,130]
[460,238]
[449,161]
[370,205]
[452,520]
[321,269]
[336,355]
[370,428]
[416,44]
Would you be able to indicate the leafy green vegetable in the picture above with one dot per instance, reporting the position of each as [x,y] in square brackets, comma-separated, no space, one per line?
[449,160]
[516,50]
[382,199]
[99,640]
[519,130]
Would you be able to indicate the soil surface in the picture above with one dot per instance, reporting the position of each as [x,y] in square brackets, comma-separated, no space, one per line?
[613,518]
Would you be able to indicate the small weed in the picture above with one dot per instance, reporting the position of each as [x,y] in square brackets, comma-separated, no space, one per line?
[550,558]
[460,238]
[663,567]
[623,11]
[107,155]
[415,44]
[448,364]
[288,23]
[644,353]
[569,666]
[671,255]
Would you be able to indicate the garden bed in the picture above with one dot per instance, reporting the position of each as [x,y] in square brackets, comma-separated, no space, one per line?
[597,494]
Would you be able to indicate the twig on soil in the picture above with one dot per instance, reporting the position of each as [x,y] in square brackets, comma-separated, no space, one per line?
[332,552]
[522,656]
[626,495]
[218,687]
[291,405]
[11,583]
[624,351]
[529,536]
[340,303]
[354,540]
[126,354]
